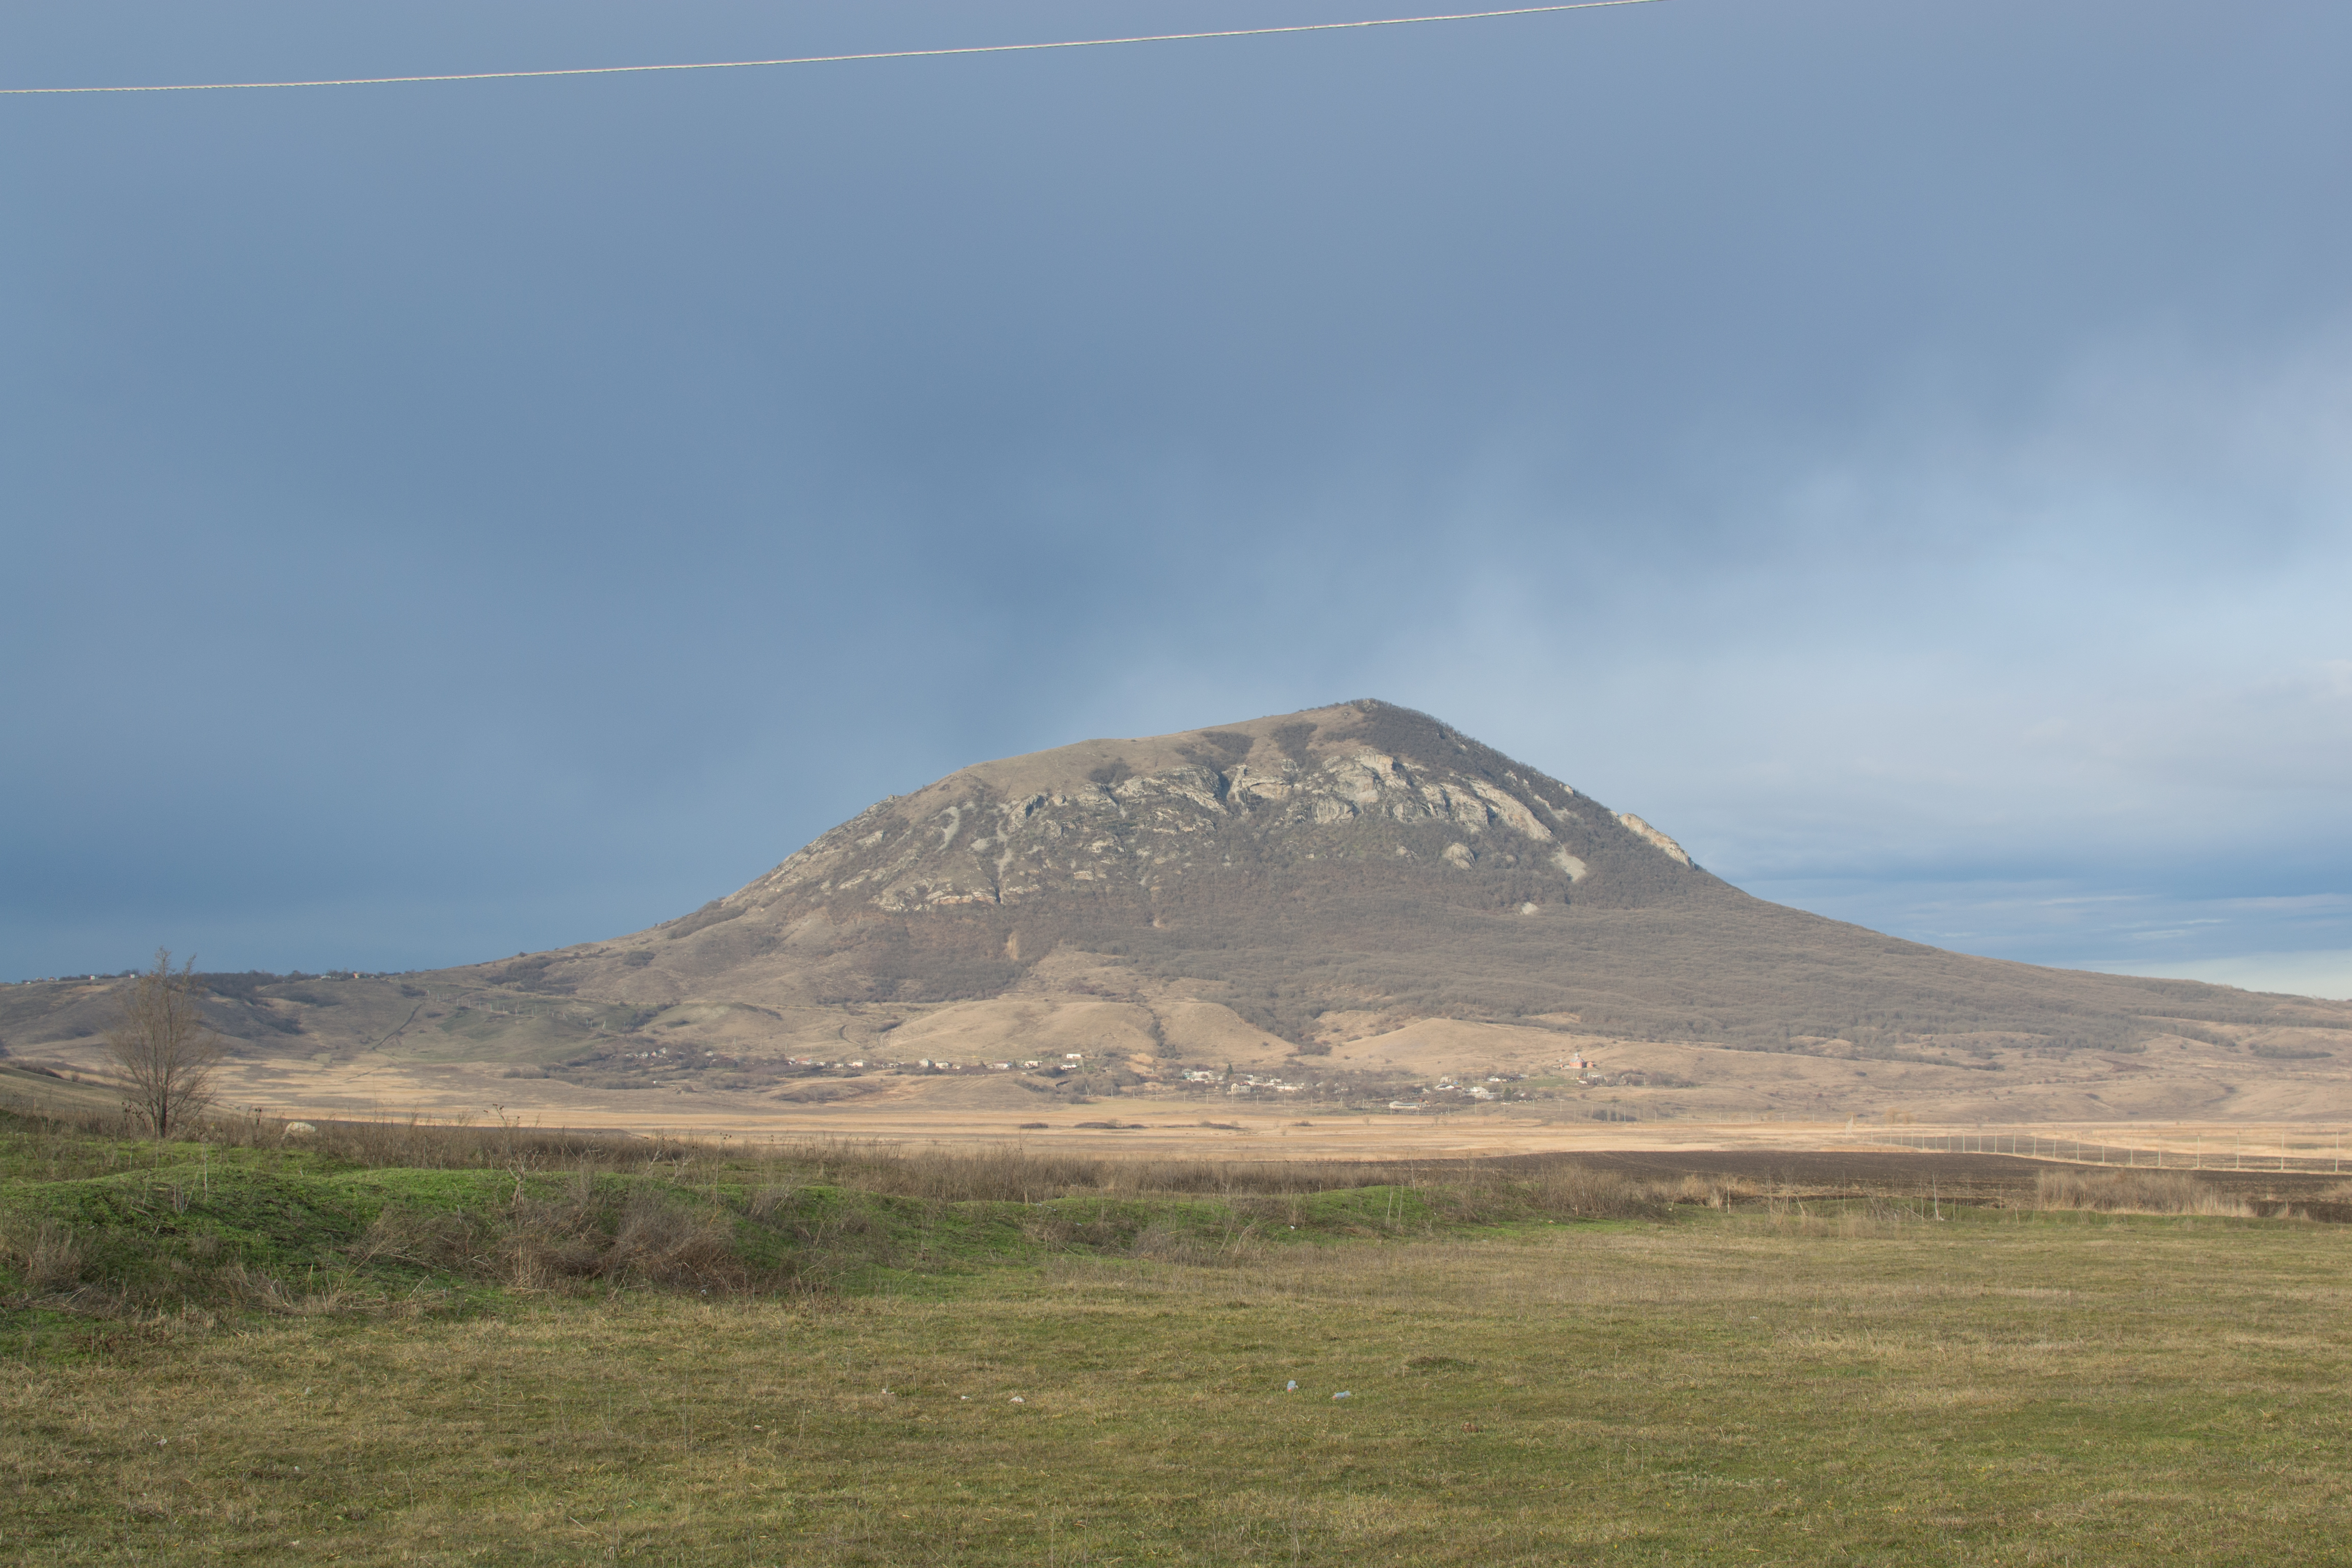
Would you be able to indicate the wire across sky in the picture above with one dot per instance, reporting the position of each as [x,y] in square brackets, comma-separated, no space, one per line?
[835,59]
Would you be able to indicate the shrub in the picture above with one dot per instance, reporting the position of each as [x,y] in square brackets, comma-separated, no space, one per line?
[43,1256]
[2133,1192]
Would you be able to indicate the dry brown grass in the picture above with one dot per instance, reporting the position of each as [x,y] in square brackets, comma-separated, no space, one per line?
[1715,1192]
[2134,1192]
[940,1173]
[45,1255]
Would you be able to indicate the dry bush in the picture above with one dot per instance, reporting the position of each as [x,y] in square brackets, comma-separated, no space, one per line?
[1580,1192]
[661,1243]
[542,1242]
[426,1238]
[2133,1192]
[1105,1232]
[1057,1232]
[46,1256]
[1164,1243]
[646,1238]
[1715,1192]
[258,1291]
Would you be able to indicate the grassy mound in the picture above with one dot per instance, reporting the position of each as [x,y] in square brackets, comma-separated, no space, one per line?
[294,1219]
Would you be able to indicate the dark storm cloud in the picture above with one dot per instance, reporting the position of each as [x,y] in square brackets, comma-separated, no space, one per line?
[1899,449]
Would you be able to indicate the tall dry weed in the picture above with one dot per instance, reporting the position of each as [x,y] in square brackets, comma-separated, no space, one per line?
[258,1290]
[1716,1192]
[413,1142]
[1582,1192]
[43,1255]
[2134,1192]
[649,1237]
[666,1244]
[1018,1173]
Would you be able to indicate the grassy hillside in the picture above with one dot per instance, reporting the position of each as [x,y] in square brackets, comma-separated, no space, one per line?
[367,1217]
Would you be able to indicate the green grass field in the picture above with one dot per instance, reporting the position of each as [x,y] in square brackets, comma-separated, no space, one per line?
[881,1376]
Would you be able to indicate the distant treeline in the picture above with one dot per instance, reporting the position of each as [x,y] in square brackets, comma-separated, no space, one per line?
[247,985]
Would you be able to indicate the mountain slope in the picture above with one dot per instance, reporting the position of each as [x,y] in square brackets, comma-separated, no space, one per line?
[1362,857]
[1350,878]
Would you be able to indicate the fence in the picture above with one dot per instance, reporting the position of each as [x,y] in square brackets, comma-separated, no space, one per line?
[2313,1150]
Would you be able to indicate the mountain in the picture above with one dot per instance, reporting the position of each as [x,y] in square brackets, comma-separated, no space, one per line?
[1358,888]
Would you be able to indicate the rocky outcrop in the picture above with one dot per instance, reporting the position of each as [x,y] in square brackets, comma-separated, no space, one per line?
[1649,835]
[1146,812]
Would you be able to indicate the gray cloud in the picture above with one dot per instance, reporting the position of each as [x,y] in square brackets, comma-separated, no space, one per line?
[1899,451]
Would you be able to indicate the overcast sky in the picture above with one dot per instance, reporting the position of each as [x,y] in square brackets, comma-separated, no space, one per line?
[1903,450]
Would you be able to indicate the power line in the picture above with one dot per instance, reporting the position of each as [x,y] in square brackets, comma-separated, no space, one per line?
[839,60]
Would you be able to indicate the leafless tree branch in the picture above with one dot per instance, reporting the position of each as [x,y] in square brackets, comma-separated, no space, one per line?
[166,1054]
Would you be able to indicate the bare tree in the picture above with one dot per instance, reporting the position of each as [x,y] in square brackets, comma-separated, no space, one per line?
[166,1054]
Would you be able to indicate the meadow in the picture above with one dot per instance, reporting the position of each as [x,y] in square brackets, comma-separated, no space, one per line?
[430,1346]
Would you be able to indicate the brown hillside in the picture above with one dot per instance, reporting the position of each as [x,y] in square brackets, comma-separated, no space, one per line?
[1358,883]
[1358,858]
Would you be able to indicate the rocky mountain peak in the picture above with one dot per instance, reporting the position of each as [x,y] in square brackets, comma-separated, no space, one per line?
[1360,886]
[1300,875]
[1364,785]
